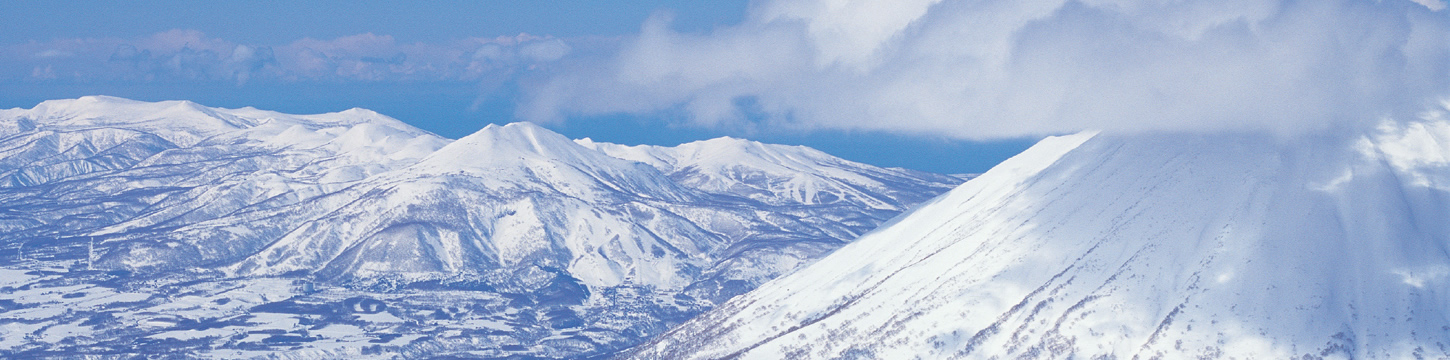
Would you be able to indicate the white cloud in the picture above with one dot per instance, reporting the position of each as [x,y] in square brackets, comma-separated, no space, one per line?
[45,73]
[52,53]
[548,50]
[1434,5]
[997,68]
[851,33]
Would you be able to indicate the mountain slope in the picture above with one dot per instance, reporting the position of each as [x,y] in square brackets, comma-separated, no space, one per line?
[84,179]
[505,196]
[779,174]
[840,198]
[1141,246]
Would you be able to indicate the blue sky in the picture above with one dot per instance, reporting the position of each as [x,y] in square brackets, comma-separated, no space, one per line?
[162,50]
[278,22]
[950,86]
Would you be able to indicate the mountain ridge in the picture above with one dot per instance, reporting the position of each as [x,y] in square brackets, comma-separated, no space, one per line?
[395,239]
[1144,246]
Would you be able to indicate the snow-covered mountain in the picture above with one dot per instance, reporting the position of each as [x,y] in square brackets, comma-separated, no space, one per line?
[174,185]
[1137,246]
[241,232]
[775,174]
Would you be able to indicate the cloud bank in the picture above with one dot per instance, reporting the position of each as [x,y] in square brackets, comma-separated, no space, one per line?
[190,56]
[1003,68]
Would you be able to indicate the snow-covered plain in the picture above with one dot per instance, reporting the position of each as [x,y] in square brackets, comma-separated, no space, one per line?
[133,227]
[1145,246]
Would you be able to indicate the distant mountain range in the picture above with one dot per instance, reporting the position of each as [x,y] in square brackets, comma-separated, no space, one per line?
[141,228]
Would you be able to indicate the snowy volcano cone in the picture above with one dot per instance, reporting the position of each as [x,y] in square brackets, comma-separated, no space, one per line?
[1175,246]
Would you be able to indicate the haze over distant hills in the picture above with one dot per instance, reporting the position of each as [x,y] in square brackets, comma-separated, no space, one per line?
[132,227]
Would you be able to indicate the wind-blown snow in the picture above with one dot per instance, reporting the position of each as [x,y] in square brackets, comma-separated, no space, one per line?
[1142,246]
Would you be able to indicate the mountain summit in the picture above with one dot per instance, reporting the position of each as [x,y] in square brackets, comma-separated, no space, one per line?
[1139,246]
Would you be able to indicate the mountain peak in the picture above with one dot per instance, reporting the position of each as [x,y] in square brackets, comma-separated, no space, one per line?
[505,154]
[729,147]
[352,115]
[92,103]
[520,136]
[799,175]
[185,123]
[512,145]
[1144,245]
[97,99]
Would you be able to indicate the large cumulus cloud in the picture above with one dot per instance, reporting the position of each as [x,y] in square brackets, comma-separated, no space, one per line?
[1000,68]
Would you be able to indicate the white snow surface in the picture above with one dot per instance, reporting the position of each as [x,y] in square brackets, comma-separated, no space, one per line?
[520,153]
[186,123]
[769,173]
[1139,246]
[357,194]
[518,194]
